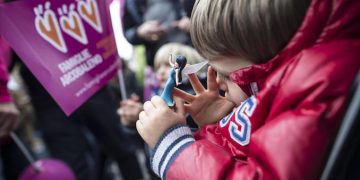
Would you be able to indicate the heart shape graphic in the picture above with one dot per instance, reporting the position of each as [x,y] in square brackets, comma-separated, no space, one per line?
[48,28]
[89,12]
[72,25]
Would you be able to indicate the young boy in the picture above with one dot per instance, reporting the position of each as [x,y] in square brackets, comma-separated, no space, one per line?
[296,61]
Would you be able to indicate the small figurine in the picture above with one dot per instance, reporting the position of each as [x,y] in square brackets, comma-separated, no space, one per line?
[175,78]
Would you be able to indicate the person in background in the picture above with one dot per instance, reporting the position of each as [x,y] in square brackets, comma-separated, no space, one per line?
[286,68]
[9,120]
[8,110]
[153,23]
[79,138]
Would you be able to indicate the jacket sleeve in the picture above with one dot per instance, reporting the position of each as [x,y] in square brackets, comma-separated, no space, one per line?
[178,156]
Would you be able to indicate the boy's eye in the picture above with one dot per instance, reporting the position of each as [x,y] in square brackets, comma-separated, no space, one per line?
[225,77]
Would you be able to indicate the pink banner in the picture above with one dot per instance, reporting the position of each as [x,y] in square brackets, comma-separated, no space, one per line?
[68,45]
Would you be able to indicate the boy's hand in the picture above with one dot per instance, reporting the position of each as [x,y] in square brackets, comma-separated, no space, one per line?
[156,118]
[207,106]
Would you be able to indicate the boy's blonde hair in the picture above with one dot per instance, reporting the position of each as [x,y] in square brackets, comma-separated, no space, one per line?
[175,49]
[252,29]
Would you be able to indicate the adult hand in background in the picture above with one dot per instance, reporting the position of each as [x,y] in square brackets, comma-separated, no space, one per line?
[129,111]
[183,24]
[207,106]
[151,31]
[9,118]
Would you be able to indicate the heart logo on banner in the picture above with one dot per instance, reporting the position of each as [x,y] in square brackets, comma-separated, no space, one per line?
[48,27]
[72,24]
[90,13]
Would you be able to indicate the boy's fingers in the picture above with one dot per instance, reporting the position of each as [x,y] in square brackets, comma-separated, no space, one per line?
[211,80]
[196,84]
[179,106]
[187,108]
[139,127]
[183,95]
[148,107]
[157,101]
[142,116]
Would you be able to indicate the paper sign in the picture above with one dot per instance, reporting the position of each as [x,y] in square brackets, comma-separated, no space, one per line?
[68,45]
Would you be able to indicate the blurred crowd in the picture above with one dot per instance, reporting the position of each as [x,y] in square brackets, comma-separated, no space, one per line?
[270,99]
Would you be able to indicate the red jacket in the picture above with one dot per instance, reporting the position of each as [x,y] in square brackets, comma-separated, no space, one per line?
[285,130]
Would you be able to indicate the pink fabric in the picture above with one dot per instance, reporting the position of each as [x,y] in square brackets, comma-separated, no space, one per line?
[4,61]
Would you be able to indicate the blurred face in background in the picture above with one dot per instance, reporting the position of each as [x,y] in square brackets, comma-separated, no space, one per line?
[162,73]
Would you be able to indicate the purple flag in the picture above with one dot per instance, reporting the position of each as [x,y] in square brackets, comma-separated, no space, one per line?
[68,45]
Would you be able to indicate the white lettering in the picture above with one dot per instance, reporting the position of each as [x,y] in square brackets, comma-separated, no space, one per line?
[74,61]
[80,70]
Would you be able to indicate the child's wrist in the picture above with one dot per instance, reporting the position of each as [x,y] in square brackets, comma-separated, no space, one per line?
[169,145]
